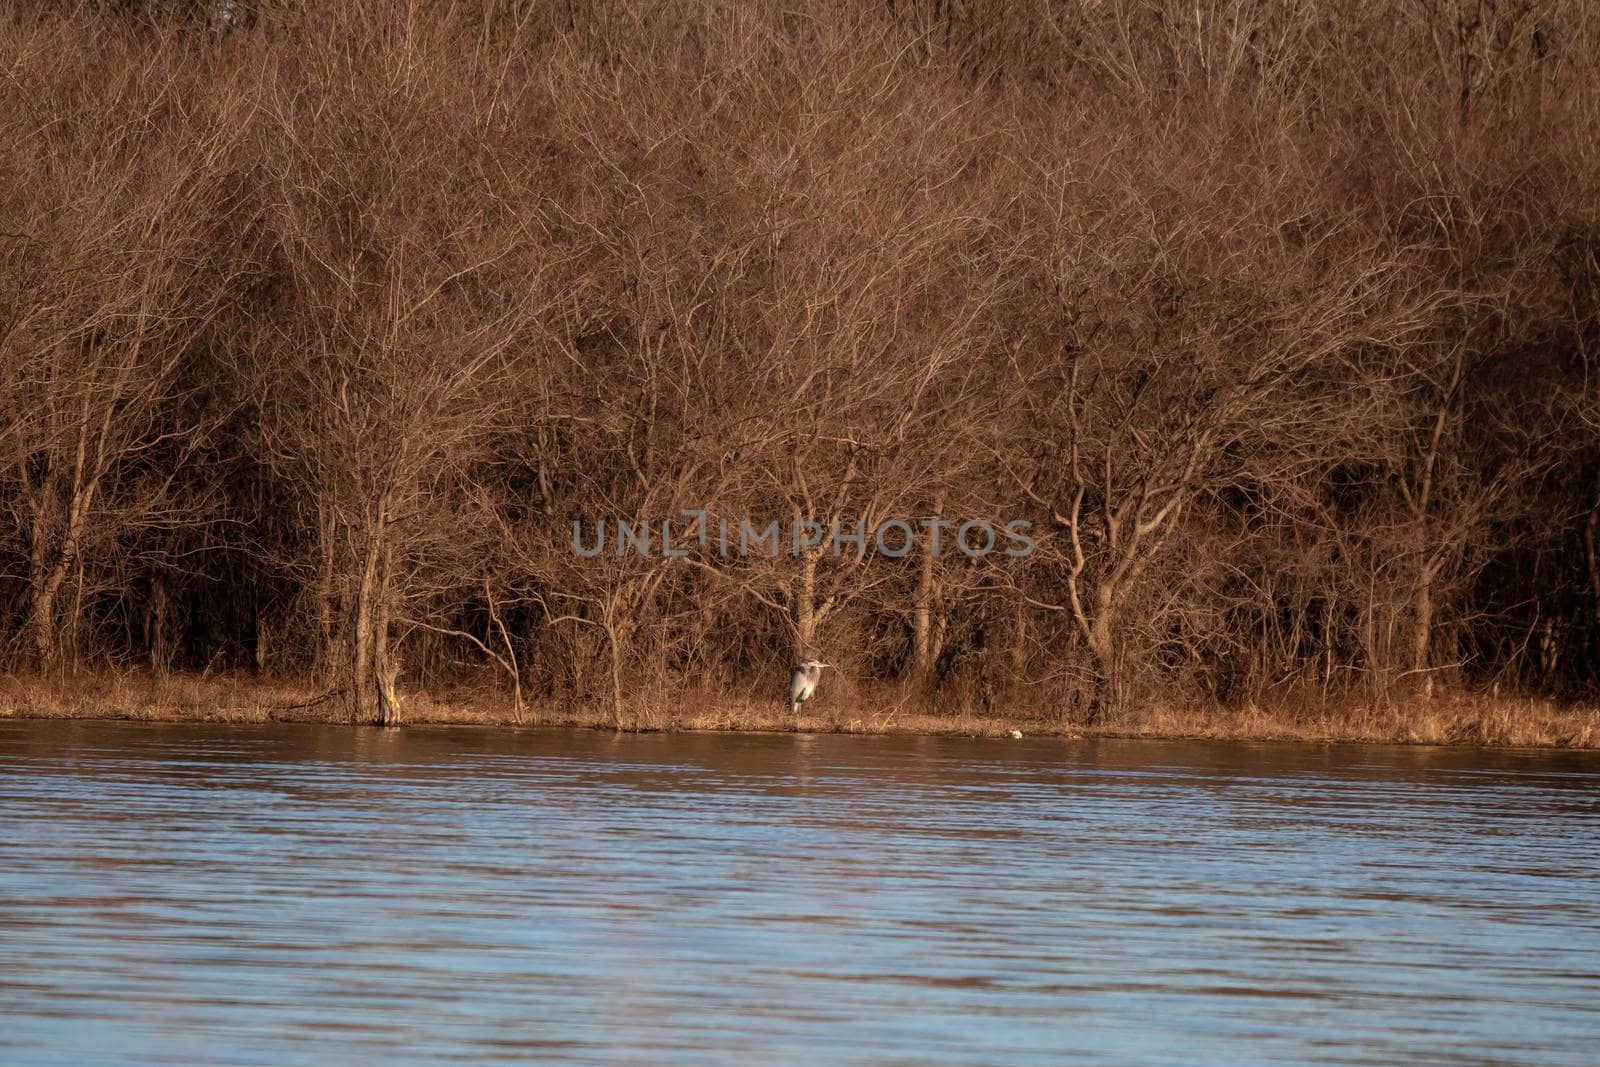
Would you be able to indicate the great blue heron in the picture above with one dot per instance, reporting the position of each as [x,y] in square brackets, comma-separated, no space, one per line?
[803,682]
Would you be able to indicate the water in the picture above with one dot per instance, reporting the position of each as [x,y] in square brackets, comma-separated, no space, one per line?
[312,895]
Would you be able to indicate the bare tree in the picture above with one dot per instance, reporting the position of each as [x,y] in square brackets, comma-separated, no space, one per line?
[1177,348]
[386,386]
[109,304]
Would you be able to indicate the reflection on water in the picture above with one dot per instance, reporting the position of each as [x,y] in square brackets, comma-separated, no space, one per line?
[313,895]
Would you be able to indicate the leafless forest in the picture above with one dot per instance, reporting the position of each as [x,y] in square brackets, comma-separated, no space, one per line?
[320,324]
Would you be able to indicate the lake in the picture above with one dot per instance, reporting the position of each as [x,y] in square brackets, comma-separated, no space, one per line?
[292,894]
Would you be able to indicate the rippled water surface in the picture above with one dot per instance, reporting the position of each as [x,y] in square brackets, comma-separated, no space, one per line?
[317,895]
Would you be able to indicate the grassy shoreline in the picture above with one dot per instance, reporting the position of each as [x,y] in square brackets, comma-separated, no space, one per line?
[1454,718]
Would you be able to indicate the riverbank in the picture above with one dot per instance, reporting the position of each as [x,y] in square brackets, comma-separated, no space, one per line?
[1452,718]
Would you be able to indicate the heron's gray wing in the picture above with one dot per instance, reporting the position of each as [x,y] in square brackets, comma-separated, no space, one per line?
[797,684]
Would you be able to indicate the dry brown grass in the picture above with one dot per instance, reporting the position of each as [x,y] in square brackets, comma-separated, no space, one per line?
[1453,718]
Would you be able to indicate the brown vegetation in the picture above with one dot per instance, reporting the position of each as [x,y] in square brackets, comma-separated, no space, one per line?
[320,327]
[1476,719]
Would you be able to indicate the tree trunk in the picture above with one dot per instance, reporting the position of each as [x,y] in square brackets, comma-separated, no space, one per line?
[41,603]
[1422,622]
[362,704]
[1422,608]
[385,660]
[42,621]
[511,650]
[922,650]
[614,639]
[1101,639]
[50,563]
[1019,640]
[926,636]
[805,609]
[158,626]
[327,652]
[46,592]
[263,643]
